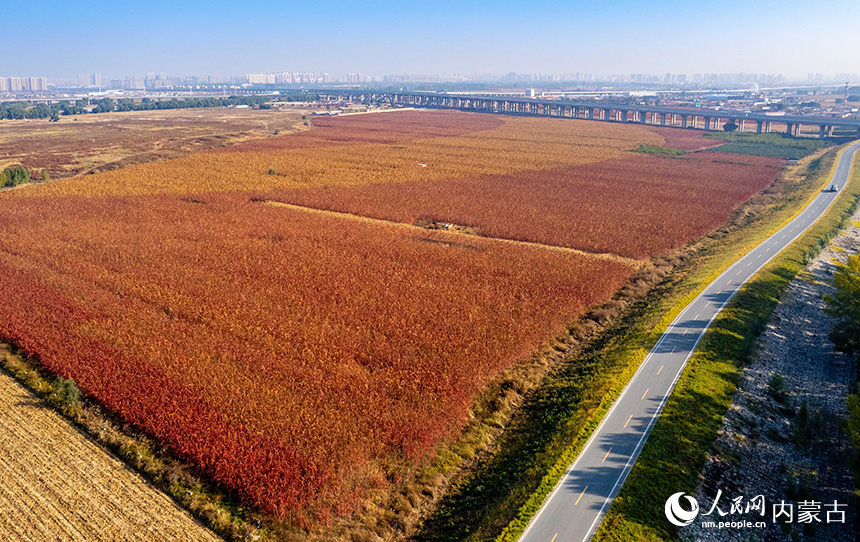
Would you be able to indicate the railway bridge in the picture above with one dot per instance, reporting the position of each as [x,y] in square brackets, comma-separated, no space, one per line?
[702,119]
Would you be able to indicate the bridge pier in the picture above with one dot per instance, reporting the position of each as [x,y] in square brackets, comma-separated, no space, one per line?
[683,121]
[758,126]
[591,111]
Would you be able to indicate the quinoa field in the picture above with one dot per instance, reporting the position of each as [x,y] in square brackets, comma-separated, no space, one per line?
[287,350]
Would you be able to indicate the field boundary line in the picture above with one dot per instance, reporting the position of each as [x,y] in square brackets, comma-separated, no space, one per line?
[637,264]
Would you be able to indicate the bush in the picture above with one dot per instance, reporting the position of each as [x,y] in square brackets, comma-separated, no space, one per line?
[777,389]
[13,176]
[67,391]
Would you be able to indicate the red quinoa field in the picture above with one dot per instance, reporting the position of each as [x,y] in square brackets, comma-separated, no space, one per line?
[284,350]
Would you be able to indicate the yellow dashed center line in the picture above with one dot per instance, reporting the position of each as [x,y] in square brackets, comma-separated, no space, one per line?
[684,333]
[579,499]
[607,455]
[628,420]
[644,394]
[661,368]
[554,537]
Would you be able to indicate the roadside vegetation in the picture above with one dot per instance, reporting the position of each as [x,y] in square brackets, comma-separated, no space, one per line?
[677,448]
[845,305]
[772,144]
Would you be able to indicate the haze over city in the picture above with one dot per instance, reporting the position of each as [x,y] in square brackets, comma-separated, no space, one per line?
[444,37]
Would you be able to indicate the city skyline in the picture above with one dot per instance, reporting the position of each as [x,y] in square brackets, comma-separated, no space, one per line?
[440,38]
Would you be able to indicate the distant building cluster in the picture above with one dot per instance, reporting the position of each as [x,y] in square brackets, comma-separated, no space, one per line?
[287,78]
[160,81]
[23,84]
[840,77]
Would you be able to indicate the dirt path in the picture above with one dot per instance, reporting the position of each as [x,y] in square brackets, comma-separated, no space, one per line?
[466,232]
[764,446]
[57,485]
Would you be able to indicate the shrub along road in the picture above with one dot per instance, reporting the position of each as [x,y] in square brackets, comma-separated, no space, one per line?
[577,505]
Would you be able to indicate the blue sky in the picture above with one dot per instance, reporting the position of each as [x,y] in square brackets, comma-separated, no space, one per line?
[62,39]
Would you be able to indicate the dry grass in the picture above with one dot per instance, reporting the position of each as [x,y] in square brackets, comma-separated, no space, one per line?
[106,141]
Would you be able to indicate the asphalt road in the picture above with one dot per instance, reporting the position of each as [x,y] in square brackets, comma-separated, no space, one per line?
[575,508]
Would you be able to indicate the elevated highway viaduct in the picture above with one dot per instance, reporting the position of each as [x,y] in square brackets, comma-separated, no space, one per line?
[702,119]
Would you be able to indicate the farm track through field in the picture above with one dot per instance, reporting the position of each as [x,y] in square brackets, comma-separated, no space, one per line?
[56,484]
[638,264]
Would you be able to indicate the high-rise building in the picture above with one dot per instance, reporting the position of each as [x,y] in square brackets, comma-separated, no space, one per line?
[90,80]
[134,83]
[23,84]
[37,84]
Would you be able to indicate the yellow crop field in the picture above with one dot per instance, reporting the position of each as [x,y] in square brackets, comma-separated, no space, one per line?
[518,144]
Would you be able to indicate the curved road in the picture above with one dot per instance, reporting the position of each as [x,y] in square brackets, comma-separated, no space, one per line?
[575,508]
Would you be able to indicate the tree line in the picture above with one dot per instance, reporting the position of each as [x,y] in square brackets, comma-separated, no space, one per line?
[26,110]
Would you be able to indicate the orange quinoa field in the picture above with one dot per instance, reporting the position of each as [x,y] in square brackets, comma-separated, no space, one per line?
[285,351]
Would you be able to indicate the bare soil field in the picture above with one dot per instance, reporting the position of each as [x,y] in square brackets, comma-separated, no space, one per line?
[56,484]
[85,143]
